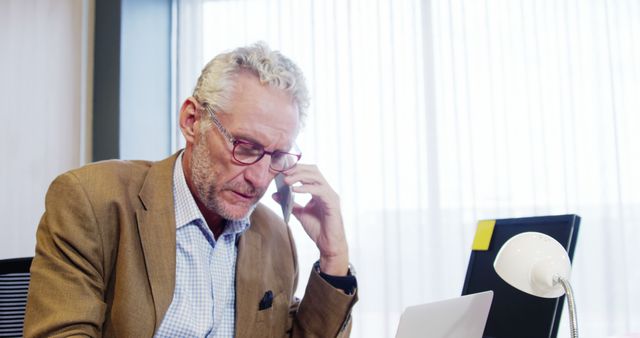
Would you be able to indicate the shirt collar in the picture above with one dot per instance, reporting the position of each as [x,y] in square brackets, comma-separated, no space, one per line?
[186,209]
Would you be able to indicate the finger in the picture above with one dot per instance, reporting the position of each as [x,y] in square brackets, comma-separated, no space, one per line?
[304,173]
[314,190]
[321,194]
[276,197]
[302,167]
[297,207]
[298,211]
[311,169]
[305,178]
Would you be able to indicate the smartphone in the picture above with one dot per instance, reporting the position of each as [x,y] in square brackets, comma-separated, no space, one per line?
[286,197]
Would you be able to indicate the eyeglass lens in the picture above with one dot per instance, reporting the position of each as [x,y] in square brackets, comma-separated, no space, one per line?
[249,153]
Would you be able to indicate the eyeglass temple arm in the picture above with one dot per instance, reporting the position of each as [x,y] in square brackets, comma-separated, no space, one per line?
[217,123]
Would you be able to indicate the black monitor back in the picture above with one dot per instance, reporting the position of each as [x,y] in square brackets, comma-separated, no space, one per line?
[514,313]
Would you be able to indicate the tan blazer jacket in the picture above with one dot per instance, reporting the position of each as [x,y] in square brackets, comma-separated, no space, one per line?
[106,259]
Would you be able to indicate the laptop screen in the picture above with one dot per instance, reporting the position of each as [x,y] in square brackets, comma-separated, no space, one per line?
[461,317]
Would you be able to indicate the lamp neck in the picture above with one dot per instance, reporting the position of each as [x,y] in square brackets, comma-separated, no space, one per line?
[571,303]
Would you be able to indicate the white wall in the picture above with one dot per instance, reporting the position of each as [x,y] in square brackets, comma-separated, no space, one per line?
[45,95]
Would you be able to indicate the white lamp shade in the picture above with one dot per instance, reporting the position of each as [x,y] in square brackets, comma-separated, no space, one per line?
[530,262]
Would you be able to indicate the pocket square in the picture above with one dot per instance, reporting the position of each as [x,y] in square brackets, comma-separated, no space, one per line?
[266,301]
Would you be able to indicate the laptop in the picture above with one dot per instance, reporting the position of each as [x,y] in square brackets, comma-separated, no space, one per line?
[462,317]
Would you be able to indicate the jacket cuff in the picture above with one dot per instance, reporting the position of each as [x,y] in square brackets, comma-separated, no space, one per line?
[325,310]
[348,283]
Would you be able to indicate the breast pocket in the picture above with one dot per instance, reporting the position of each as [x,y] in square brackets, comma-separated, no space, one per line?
[272,321]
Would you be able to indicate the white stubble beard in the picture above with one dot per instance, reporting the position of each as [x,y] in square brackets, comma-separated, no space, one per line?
[207,188]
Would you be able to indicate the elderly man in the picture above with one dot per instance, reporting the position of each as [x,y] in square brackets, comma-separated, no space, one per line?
[182,247]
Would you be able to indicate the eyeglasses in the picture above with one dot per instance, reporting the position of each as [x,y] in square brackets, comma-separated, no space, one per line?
[247,153]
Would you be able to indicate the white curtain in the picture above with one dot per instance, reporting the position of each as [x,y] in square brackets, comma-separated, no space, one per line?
[427,116]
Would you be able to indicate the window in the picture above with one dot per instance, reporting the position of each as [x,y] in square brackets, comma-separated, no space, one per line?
[427,116]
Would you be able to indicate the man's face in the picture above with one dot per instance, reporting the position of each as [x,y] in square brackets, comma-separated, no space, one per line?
[257,113]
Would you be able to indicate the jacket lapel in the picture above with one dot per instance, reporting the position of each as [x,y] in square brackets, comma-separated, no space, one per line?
[157,229]
[249,268]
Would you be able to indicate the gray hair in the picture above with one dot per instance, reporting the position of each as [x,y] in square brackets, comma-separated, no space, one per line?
[216,82]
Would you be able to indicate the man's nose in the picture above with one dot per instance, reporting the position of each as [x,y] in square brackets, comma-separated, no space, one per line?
[259,172]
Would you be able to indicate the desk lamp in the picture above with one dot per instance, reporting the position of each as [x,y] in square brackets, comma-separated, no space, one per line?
[537,264]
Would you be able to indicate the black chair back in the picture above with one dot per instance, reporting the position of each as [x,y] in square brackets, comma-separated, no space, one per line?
[14,285]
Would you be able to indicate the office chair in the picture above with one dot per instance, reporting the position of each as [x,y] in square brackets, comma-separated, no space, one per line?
[14,284]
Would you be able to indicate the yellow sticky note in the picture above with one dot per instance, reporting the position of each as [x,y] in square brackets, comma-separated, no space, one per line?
[483,235]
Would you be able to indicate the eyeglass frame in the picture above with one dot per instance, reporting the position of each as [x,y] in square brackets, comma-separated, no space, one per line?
[235,142]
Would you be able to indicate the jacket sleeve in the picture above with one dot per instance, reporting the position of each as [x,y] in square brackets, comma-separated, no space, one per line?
[324,311]
[66,292]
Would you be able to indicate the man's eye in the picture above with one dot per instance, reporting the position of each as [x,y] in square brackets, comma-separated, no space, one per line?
[249,150]
[277,156]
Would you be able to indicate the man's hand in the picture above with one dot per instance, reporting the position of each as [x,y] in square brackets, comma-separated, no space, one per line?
[321,218]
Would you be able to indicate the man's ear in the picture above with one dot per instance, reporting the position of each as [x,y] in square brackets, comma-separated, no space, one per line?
[188,117]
